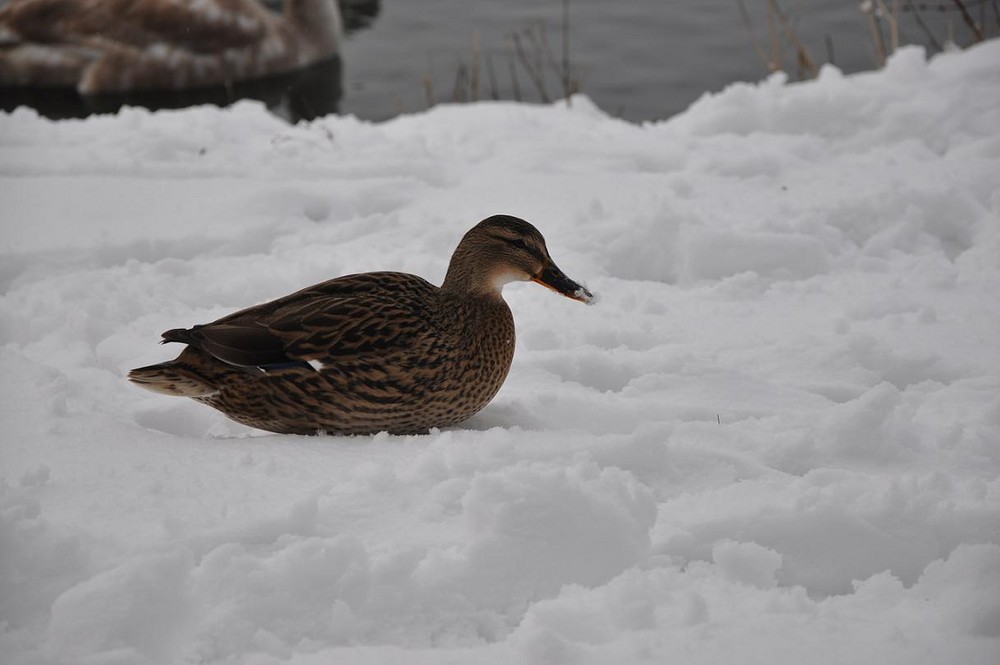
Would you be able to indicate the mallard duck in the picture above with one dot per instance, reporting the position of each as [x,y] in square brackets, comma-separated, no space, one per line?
[379,351]
[115,46]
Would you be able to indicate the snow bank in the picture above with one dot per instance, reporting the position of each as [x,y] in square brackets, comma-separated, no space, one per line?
[775,440]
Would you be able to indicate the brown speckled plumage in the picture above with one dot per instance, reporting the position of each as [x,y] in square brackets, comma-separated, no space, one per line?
[370,352]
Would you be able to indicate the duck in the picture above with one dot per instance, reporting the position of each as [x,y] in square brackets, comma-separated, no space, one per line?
[370,352]
[117,46]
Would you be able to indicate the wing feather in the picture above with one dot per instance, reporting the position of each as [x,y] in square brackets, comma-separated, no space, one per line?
[370,315]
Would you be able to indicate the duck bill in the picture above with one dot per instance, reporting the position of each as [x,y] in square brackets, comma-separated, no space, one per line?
[552,277]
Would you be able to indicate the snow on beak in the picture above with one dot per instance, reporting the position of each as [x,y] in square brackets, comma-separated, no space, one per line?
[552,277]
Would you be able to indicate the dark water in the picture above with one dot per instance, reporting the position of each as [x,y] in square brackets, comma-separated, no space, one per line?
[638,59]
[303,95]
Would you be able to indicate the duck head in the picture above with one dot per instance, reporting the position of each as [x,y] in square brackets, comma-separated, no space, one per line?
[502,249]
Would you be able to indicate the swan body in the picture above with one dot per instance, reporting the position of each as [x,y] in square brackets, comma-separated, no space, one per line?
[116,46]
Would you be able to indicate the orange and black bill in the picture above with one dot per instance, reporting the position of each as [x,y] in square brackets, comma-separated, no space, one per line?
[555,279]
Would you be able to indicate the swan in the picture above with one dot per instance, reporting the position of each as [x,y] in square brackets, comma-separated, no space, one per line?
[116,46]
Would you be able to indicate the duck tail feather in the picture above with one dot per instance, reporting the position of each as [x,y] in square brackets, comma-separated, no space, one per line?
[170,378]
[182,335]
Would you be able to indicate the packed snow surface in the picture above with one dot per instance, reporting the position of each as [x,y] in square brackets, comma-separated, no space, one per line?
[775,440]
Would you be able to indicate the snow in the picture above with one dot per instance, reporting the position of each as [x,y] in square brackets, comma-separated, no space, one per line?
[775,439]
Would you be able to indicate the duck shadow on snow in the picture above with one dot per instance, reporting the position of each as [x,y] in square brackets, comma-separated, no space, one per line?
[192,421]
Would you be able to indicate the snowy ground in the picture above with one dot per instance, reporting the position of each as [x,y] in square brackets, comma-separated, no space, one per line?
[776,439]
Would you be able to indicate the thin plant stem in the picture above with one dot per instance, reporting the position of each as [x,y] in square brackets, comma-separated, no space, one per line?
[918,17]
[567,92]
[538,37]
[428,86]
[544,49]
[890,17]
[806,63]
[748,25]
[774,62]
[474,78]
[459,92]
[535,76]
[967,17]
[492,75]
[877,37]
[515,84]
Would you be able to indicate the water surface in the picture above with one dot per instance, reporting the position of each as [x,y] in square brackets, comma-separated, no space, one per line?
[640,59]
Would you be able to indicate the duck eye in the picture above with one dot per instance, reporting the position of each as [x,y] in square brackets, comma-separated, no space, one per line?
[520,244]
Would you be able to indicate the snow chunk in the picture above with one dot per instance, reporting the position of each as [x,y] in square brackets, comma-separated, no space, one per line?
[532,529]
[717,254]
[144,603]
[747,563]
[38,476]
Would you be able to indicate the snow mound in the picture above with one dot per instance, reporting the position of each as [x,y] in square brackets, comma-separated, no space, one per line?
[775,440]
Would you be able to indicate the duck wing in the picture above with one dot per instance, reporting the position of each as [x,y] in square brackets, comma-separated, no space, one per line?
[371,315]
